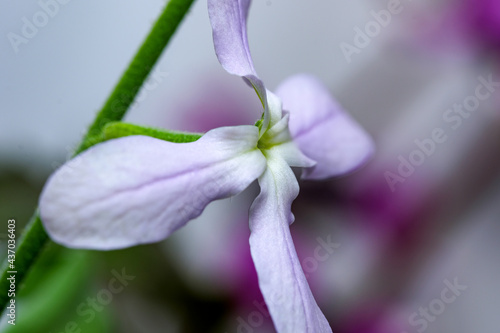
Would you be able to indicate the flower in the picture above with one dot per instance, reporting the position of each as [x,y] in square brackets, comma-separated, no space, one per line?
[138,189]
[469,28]
[480,21]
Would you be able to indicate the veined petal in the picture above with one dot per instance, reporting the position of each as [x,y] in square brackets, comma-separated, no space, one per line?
[138,189]
[229,29]
[322,130]
[281,279]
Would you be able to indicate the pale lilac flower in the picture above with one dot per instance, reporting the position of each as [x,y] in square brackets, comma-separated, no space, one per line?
[138,189]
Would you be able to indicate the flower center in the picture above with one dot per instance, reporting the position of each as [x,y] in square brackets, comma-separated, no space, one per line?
[274,135]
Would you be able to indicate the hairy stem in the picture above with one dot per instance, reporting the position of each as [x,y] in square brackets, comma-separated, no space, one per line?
[34,237]
[118,130]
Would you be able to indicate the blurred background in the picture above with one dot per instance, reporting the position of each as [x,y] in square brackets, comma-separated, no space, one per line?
[408,243]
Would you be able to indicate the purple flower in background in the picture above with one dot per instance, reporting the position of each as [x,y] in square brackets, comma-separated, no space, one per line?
[138,189]
[466,27]
[483,19]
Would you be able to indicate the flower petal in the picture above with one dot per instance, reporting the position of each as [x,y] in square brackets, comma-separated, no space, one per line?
[322,130]
[229,29]
[273,112]
[281,279]
[138,189]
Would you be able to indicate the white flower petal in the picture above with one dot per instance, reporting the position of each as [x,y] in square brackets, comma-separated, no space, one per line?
[281,279]
[138,189]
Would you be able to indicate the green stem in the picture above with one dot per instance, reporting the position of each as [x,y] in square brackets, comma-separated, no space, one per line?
[118,130]
[131,81]
[34,237]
